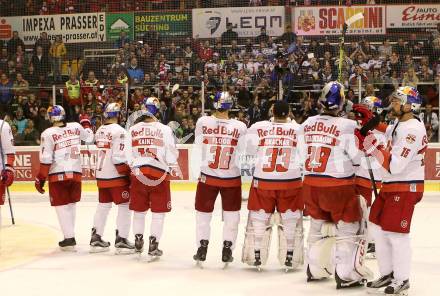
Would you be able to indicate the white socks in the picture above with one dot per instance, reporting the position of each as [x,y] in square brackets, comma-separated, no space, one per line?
[203,227]
[66,218]
[139,222]
[123,220]
[156,228]
[101,215]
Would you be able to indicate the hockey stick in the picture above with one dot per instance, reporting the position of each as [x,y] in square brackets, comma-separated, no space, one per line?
[3,168]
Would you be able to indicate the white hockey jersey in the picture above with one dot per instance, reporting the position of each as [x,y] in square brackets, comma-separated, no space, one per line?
[328,149]
[61,149]
[222,143]
[7,145]
[151,149]
[110,145]
[407,142]
[274,145]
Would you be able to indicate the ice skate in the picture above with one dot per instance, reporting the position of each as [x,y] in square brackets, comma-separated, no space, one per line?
[371,251]
[123,246]
[153,250]
[200,256]
[343,284]
[97,245]
[378,286]
[397,288]
[257,262]
[288,263]
[227,253]
[139,243]
[68,244]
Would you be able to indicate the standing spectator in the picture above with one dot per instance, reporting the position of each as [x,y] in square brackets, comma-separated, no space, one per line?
[6,94]
[21,86]
[288,36]
[430,119]
[229,35]
[385,49]
[263,37]
[30,134]
[123,38]
[410,78]
[205,51]
[19,58]
[165,113]
[40,62]
[400,48]
[30,76]
[57,52]
[135,73]
[44,42]
[72,97]
[14,42]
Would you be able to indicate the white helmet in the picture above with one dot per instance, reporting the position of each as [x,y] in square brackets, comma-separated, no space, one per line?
[373,103]
[152,105]
[332,95]
[112,110]
[56,113]
[223,100]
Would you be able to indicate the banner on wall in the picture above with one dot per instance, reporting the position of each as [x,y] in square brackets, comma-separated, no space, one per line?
[73,28]
[413,16]
[117,23]
[328,20]
[246,21]
[169,24]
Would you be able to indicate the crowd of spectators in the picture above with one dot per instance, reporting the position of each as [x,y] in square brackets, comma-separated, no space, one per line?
[250,69]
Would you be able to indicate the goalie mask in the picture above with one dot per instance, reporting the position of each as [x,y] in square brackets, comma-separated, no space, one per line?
[409,95]
[332,96]
[151,105]
[56,113]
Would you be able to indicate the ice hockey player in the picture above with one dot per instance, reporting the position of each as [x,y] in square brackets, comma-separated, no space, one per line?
[328,149]
[7,157]
[152,156]
[364,187]
[276,185]
[112,175]
[60,164]
[402,188]
[221,142]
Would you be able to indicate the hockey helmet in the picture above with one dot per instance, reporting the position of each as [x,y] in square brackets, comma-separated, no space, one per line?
[223,100]
[332,95]
[112,110]
[409,95]
[152,105]
[373,103]
[56,113]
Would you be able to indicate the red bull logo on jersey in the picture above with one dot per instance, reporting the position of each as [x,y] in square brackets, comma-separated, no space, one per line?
[66,134]
[321,127]
[276,131]
[147,132]
[221,130]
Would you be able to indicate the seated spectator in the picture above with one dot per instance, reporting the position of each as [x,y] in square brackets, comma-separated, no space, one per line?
[357,74]
[31,136]
[385,49]
[400,48]
[18,138]
[430,119]
[410,78]
[21,86]
[20,121]
[135,73]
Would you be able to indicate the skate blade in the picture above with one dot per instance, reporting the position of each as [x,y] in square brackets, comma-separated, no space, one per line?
[199,264]
[370,256]
[258,268]
[150,258]
[381,291]
[225,265]
[119,251]
[94,250]
[68,249]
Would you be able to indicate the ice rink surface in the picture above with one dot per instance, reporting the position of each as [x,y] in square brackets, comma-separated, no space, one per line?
[81,273]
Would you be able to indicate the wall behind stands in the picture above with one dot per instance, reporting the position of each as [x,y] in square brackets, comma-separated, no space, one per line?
[211,22]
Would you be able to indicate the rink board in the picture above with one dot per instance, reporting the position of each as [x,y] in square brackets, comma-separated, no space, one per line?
[26,168]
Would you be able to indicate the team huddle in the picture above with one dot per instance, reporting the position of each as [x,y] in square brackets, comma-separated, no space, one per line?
[327,168]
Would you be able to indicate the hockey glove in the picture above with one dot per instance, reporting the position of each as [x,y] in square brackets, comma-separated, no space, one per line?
[7,177]
[372,147]
[362,113]
[39,185]
[84,120]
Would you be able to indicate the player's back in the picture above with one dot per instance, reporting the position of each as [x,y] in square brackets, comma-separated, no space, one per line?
[151,148]
[61,147]
[110,145]
[222,141]
[274,144]
[329,150]
[408,142]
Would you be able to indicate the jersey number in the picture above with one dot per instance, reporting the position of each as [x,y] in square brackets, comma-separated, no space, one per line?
[222,157]
[317,159]
[273,154]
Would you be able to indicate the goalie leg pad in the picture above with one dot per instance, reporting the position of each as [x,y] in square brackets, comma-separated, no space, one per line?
[291,237]
[351,249]
[321,242]
[257,237]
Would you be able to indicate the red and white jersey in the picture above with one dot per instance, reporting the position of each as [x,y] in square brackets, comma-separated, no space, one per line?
[274,145]
[61,150]
[110,145]
[151,148]
[328,149]
[221,142]
[407,142]
[7,145]
[362,174]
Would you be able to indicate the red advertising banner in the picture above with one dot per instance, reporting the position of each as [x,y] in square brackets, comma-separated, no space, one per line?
[328,20]
[26,165]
